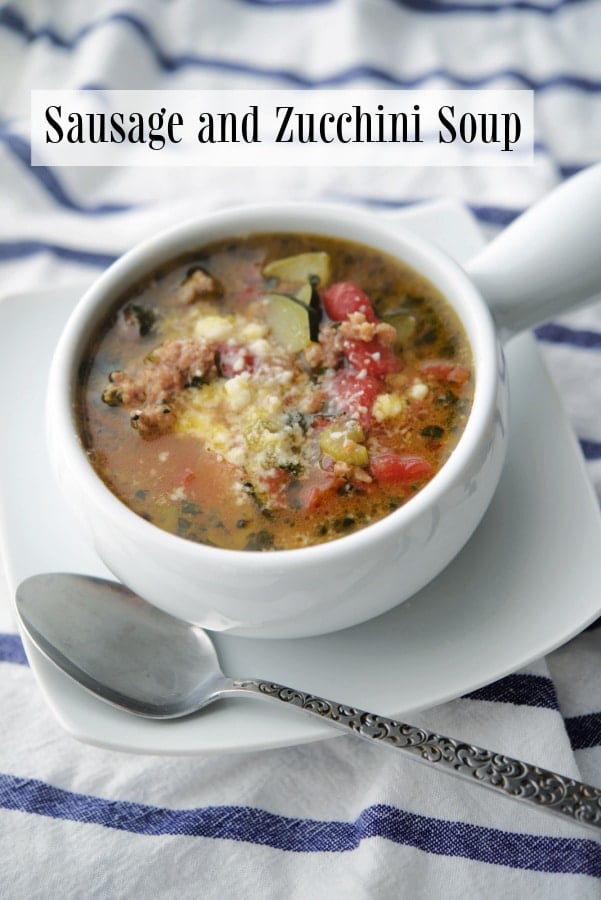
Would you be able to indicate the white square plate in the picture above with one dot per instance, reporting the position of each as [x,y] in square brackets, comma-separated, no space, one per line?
[528,580]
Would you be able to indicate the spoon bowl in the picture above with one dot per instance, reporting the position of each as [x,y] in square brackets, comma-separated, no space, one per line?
[117,646]
[149,663]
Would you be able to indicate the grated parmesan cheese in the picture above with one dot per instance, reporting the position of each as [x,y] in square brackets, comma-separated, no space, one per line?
[386,406]
[214,328]
[418,391]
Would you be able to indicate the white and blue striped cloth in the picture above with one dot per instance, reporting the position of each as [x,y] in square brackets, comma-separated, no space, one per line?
[336,818]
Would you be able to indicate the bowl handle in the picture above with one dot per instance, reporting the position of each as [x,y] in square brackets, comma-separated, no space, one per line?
[548,260]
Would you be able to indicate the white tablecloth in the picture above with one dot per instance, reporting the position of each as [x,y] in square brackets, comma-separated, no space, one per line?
[337,818]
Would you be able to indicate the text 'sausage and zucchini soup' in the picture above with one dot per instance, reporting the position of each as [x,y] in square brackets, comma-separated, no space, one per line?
[275,391]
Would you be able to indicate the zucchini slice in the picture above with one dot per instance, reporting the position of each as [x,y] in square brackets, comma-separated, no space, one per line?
[292,322]
[300,267]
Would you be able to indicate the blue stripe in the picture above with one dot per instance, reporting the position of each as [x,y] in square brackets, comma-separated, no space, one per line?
[520,689]
[591,449]
[584,731]
[11,250]
[21,149]
[568,170]
[447,6]
[256,826]
[554,333]
[495,215]
[11,649]
[12,20]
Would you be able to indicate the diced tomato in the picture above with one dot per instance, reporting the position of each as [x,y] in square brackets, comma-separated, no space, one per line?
[317,484]
[354,395]
[399,468]
[234,359]
[343,298]
[445,370]
[372,357]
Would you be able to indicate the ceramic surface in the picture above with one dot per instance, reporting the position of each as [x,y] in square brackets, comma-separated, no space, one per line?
[312,590]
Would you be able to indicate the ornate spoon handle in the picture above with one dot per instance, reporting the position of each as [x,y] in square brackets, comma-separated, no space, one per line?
[514,779]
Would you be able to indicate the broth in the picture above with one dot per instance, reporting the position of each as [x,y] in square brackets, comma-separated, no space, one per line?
[274,391]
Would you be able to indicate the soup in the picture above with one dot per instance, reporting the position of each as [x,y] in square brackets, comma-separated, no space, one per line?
[275,391]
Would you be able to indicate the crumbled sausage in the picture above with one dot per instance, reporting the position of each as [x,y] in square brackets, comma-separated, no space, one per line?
[174,365]
[328,352]
[152,421]
[357,328]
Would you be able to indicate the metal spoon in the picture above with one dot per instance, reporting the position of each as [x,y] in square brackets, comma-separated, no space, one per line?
[142,660]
